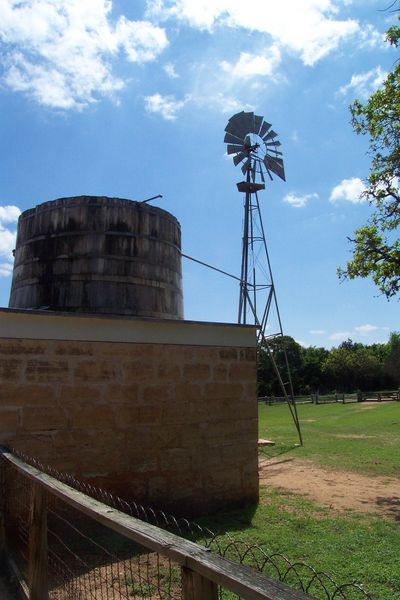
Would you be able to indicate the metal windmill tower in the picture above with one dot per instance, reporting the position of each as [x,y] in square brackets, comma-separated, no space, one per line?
[253,144]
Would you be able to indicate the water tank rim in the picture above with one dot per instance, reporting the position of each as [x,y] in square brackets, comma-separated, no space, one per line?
[97,201]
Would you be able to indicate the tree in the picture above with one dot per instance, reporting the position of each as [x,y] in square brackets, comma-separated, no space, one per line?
[376,245]
[349,367]
[392,360]
[268,382]
[352,366]
[313,378]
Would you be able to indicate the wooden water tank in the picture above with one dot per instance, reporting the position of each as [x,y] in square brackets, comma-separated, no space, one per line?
[98,255]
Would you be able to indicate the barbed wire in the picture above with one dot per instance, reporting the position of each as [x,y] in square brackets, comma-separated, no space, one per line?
[86,560]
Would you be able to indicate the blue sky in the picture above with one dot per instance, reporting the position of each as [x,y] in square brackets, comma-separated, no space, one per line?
[130,99]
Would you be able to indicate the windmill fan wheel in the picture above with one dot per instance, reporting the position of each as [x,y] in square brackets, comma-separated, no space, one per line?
[254,145]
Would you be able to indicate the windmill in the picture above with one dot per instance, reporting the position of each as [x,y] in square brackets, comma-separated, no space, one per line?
[254,147]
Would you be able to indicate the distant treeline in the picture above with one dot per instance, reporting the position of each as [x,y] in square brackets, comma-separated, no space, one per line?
[350,367]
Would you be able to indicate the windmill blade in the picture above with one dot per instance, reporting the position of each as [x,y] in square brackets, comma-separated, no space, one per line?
[247,140]
[241,124]
[232,121]
[234,118]
[237,125]
[232,149]
[257,123]
[264,129]
[262,173]
[270,135]
[275,165]
[232,139]
[239,157]
[238,132]
[247,121]
[277,143]
[277,160]
[246,167]
[268,172]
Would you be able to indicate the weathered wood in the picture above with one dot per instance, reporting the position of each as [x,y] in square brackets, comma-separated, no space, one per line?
[37,570]
[23,589]
[263,442]
[131,231]
[2,511]
[196,587]
[243,581]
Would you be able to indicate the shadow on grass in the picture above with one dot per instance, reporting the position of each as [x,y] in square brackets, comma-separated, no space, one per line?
[275,451]
[391,504]
[233,520]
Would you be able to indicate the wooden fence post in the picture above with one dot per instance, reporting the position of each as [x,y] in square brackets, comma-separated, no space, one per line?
[196,587]
[38,582]
[2,511]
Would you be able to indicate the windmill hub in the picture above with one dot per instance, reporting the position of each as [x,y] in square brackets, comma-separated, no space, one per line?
[252,148]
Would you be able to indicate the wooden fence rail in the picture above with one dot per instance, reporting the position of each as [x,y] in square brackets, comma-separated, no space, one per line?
[202,571]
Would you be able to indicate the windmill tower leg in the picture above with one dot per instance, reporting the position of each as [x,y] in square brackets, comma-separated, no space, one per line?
[242,318]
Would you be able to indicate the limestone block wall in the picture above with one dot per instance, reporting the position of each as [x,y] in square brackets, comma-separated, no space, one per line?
[161,412]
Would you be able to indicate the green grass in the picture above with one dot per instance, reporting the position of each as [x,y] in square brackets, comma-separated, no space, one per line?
[350,547]
[353,437]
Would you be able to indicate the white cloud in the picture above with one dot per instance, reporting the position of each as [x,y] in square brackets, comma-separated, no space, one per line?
[169,68]
[7,241]
[166,106]
[317,331]
[366,329]
[253,65]
[348,189]
[361,331]
[371,37]
[228,105]
[298,200]
[141,40]
[6,269]
[340,335]
[364,84]
[308,28]
[8,214]
[59,51]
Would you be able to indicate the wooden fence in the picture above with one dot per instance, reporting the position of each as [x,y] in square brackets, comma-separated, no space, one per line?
[335,397]
[203,574]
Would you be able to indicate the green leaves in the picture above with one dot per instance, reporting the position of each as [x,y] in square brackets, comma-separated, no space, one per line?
[376,247]
[375,255]
[349,367]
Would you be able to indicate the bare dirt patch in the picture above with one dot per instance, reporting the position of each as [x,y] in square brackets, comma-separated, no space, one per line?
[338,489]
